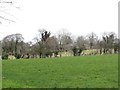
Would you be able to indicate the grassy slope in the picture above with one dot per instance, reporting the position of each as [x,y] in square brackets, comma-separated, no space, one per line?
[82,72]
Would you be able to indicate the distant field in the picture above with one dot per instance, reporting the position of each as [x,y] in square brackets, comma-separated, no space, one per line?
[69,72]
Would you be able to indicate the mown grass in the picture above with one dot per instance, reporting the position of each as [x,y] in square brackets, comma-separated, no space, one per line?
[69,72]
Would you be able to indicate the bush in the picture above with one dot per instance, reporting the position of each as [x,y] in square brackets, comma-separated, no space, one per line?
[56,53]
[18,56]
[5,56]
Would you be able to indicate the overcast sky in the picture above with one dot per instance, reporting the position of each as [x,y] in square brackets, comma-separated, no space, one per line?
[79,17]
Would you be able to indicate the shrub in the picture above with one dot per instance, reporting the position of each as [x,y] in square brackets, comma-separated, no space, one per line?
[5,56]
[18,56]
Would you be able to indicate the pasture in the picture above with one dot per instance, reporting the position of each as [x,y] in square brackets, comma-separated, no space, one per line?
[100,71]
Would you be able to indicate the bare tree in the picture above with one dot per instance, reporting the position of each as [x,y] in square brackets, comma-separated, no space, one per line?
[52,43]
[81,42]
[92,37]
[108,41]
[41,41]
[64,39]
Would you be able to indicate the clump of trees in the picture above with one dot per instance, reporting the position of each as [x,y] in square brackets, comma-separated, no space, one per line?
[12,44]
[47,45]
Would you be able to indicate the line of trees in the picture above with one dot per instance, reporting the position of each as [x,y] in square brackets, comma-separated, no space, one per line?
[45,44]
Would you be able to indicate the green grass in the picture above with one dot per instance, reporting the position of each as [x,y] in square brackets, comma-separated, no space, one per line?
[69,72]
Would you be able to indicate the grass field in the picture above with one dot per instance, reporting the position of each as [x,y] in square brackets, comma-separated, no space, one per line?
[69,72]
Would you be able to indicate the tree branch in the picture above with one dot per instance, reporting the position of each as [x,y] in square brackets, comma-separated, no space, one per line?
[6,19]
[9,2]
